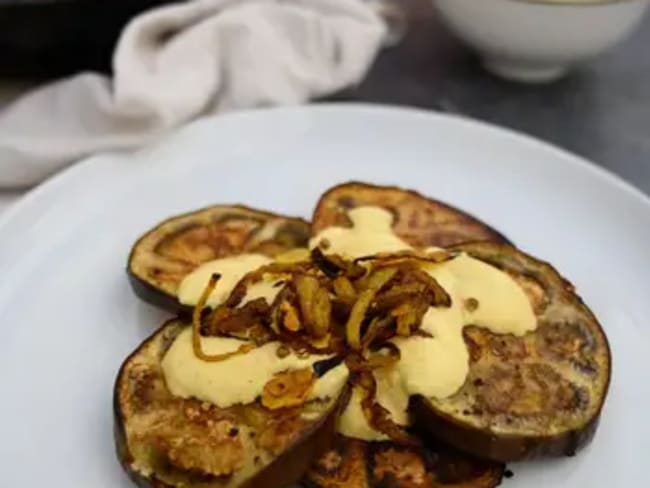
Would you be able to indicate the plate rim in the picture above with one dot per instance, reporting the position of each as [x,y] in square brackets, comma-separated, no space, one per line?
[59,178]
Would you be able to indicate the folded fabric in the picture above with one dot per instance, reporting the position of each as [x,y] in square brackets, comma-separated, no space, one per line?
[179,62]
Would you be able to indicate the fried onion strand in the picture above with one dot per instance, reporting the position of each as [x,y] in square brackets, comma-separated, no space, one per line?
[196,327]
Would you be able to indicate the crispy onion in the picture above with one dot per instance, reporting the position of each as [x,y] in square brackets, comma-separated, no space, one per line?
[334,265]
[438,296]
[370,360]
[372,284]
[327,296]
[377,327]
[408,317]
[330,267]
[196,328]
[349,308]
[315,305]
[290,319]
[394,258]
[245,322]
[379,417]
[288,389]
[280,269]
[344,290]
[398,295]
[357,316]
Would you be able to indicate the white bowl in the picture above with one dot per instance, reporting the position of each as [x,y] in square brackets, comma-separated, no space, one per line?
[539,40]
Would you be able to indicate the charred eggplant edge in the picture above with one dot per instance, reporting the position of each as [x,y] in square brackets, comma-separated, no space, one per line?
[496,236]
[286,469]
[511,448]
[153,295]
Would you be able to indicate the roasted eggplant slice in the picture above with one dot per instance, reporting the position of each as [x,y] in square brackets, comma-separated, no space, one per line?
[531,396]
[163,256]
[419,221]
[352,463]
[167,442]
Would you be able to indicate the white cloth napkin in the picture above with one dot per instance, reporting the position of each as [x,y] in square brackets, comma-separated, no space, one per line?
[178,62]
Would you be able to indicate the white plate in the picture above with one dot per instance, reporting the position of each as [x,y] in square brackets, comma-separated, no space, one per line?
[69,317]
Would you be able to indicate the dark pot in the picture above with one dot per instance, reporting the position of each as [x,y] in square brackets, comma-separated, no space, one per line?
[46,38]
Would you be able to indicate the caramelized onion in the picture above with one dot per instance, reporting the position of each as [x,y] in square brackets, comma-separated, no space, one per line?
[398,295]
[376,279]
[306,287]
[396,258]
[334,265]
[379,417]
[374,360]
[196,327]
[321,313]
[290,318]
[331,267]
[331,304]
[237,322]
[372,283]
[288,389]
[438,295]
[374,331]
[321,342]
[356,318]
[280,269]
[344,290]
[408,316]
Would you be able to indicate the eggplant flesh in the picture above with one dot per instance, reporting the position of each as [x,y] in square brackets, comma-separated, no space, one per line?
[526,397]
[164,255]
[163,441]
[352,463]
[419,221]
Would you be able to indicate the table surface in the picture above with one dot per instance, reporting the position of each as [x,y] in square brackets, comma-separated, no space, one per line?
[601,111]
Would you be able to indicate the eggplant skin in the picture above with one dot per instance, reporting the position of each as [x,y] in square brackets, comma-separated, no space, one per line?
[353,463]
[483,443]
[283,471]
[166,253]
[124,457]
[119,431]
[287,469]
[502,413]
[157,297]
[418,220]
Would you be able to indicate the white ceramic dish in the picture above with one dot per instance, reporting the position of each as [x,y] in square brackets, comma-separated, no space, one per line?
[539,40]
[69,317]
